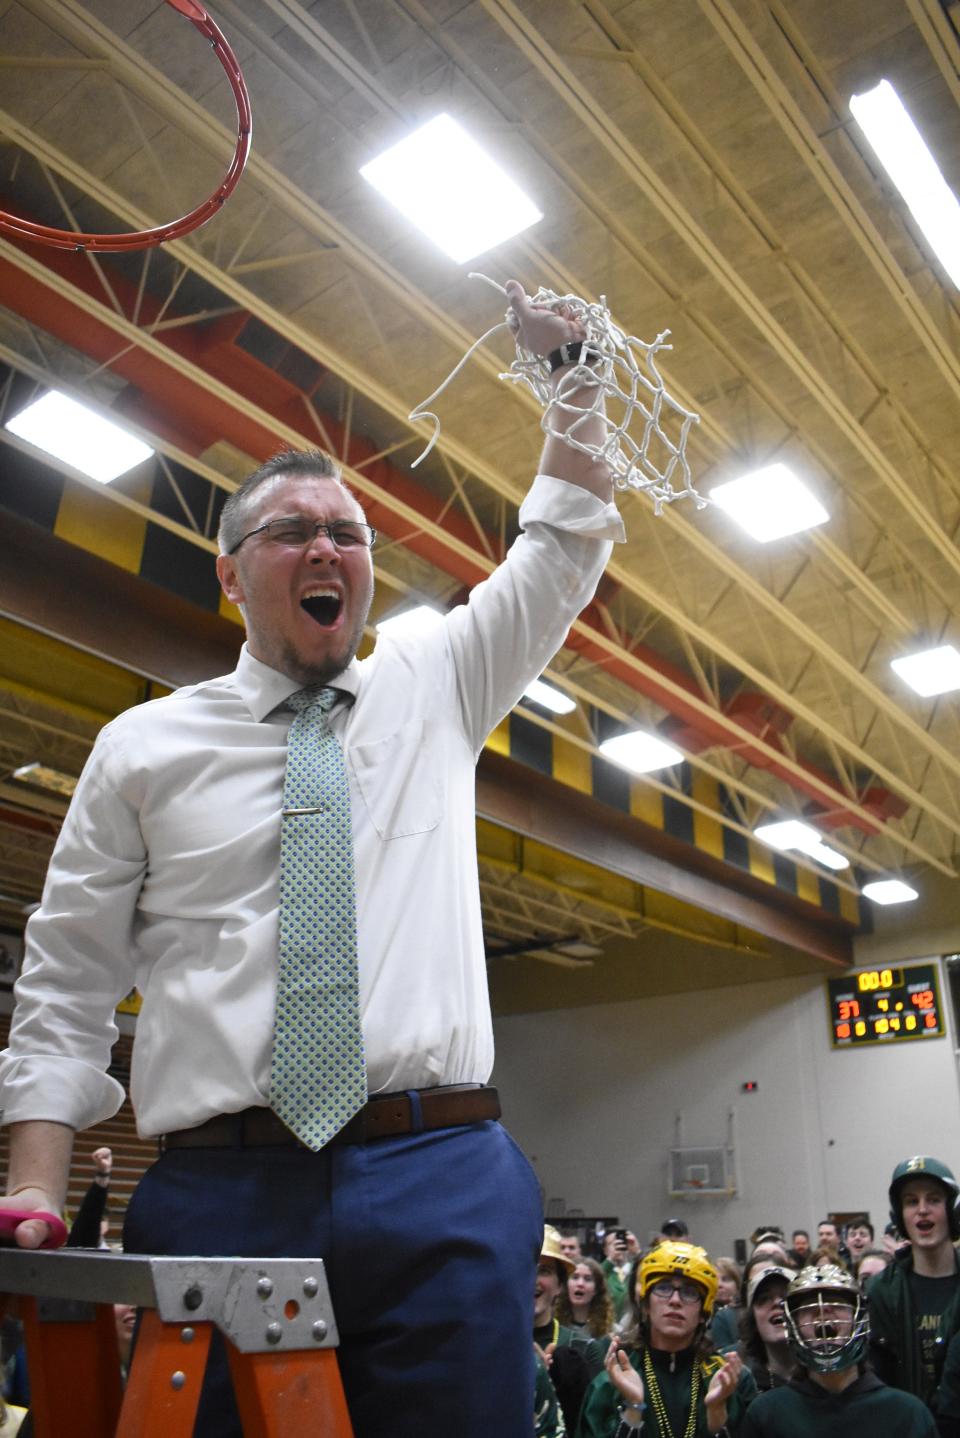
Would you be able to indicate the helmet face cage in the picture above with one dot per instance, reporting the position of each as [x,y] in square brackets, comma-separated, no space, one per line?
[831,1343]
[683,1260]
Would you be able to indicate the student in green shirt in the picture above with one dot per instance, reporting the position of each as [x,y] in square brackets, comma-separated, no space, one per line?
[915,1302]
[572,1359]
[833,1394]
[665,1380]
[547,1413]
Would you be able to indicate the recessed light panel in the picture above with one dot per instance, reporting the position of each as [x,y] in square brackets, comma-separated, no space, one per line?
[578,949]
[640,753]
[794,834]
[903,153]
[789,834]
[549,698]
[41,776]
[890,891]
[932,671]
[451,189]
[770,503]
[79,436]
[829,858]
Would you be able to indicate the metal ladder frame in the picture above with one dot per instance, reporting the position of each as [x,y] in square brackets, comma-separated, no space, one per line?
[275,1314]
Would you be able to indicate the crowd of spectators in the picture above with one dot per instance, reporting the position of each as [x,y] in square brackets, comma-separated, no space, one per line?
[845,1332]
[840,1335]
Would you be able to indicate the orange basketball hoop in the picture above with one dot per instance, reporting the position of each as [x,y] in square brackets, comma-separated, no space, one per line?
[176,229]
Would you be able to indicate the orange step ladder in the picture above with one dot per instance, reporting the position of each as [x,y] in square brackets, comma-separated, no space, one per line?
[275,1314]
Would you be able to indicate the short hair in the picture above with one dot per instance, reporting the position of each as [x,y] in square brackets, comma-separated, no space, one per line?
[729,1268]
[861,1221]
[870,1253]
[768,1250]
[799,1233]
[831,1221]
[295,463]
[766,1230]
[827,1255]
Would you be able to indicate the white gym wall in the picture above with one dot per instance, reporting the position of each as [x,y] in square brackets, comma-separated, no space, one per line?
[593,1096]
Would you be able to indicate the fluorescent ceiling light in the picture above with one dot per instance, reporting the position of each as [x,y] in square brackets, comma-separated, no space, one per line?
[890,891]
[903,153]
[553,699]
[829,858]
[41,776]
[418,620]
[933,671]
[451,189]
[794,834]
[789,834]
[578,949]
[79,436]
[770,503]
[640,753]
[563,961]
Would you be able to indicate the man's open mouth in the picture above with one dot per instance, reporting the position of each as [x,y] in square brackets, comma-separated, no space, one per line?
[323,604]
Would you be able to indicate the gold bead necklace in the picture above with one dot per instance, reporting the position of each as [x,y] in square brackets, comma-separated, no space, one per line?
[656,1398]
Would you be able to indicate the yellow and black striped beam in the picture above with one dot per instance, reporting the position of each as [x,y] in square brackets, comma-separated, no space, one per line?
[102,539]
[543,749]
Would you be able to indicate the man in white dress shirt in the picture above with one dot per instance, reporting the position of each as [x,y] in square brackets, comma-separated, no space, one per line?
[166,876]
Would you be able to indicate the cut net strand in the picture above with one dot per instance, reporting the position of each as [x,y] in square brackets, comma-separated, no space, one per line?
[629,392]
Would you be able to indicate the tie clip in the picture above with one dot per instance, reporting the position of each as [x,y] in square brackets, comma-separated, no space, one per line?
[292,813]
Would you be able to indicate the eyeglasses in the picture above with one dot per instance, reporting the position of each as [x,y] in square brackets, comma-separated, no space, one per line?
[296,532]
[687,1291]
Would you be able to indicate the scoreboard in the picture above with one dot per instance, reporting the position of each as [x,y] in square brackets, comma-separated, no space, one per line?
[877,1006]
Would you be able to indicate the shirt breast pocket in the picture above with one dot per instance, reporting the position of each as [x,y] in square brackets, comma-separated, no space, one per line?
[400,782]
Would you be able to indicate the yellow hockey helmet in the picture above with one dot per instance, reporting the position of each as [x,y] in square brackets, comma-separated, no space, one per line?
[684,1259]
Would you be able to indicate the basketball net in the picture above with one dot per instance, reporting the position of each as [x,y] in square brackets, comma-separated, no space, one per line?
[629,395]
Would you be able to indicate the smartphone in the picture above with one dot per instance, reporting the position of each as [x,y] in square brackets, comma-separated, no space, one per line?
[11,1218]
[621,1235]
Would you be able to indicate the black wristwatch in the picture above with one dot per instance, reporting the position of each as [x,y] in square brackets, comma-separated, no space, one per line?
[572,353]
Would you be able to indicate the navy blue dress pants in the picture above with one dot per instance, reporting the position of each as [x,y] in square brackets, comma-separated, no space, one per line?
[430,1243]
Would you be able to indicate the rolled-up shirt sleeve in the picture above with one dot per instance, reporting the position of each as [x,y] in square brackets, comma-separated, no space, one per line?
[517,619]
[78,960]
[166,874]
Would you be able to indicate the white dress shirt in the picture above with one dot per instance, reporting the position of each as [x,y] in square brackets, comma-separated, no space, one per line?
[166,873]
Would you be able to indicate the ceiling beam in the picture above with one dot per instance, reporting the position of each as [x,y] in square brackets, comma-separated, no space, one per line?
[152,362]
[592,114]
[60,590]
[543,809]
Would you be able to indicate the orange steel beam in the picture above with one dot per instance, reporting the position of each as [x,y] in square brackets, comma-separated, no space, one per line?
[202,418]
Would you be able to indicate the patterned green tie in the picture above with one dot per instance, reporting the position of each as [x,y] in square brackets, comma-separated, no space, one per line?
[318,1078]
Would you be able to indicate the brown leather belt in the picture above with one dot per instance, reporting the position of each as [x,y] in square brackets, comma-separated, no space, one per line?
[385,1115]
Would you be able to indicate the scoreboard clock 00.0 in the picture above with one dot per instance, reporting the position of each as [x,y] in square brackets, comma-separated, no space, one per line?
[876,1006]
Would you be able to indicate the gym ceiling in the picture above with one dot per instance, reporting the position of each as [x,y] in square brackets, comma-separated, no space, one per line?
[697,164]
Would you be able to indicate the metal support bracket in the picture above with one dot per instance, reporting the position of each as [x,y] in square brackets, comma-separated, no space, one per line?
[263,1305]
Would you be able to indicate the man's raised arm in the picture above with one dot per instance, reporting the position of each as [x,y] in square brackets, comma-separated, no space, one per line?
[542,330]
